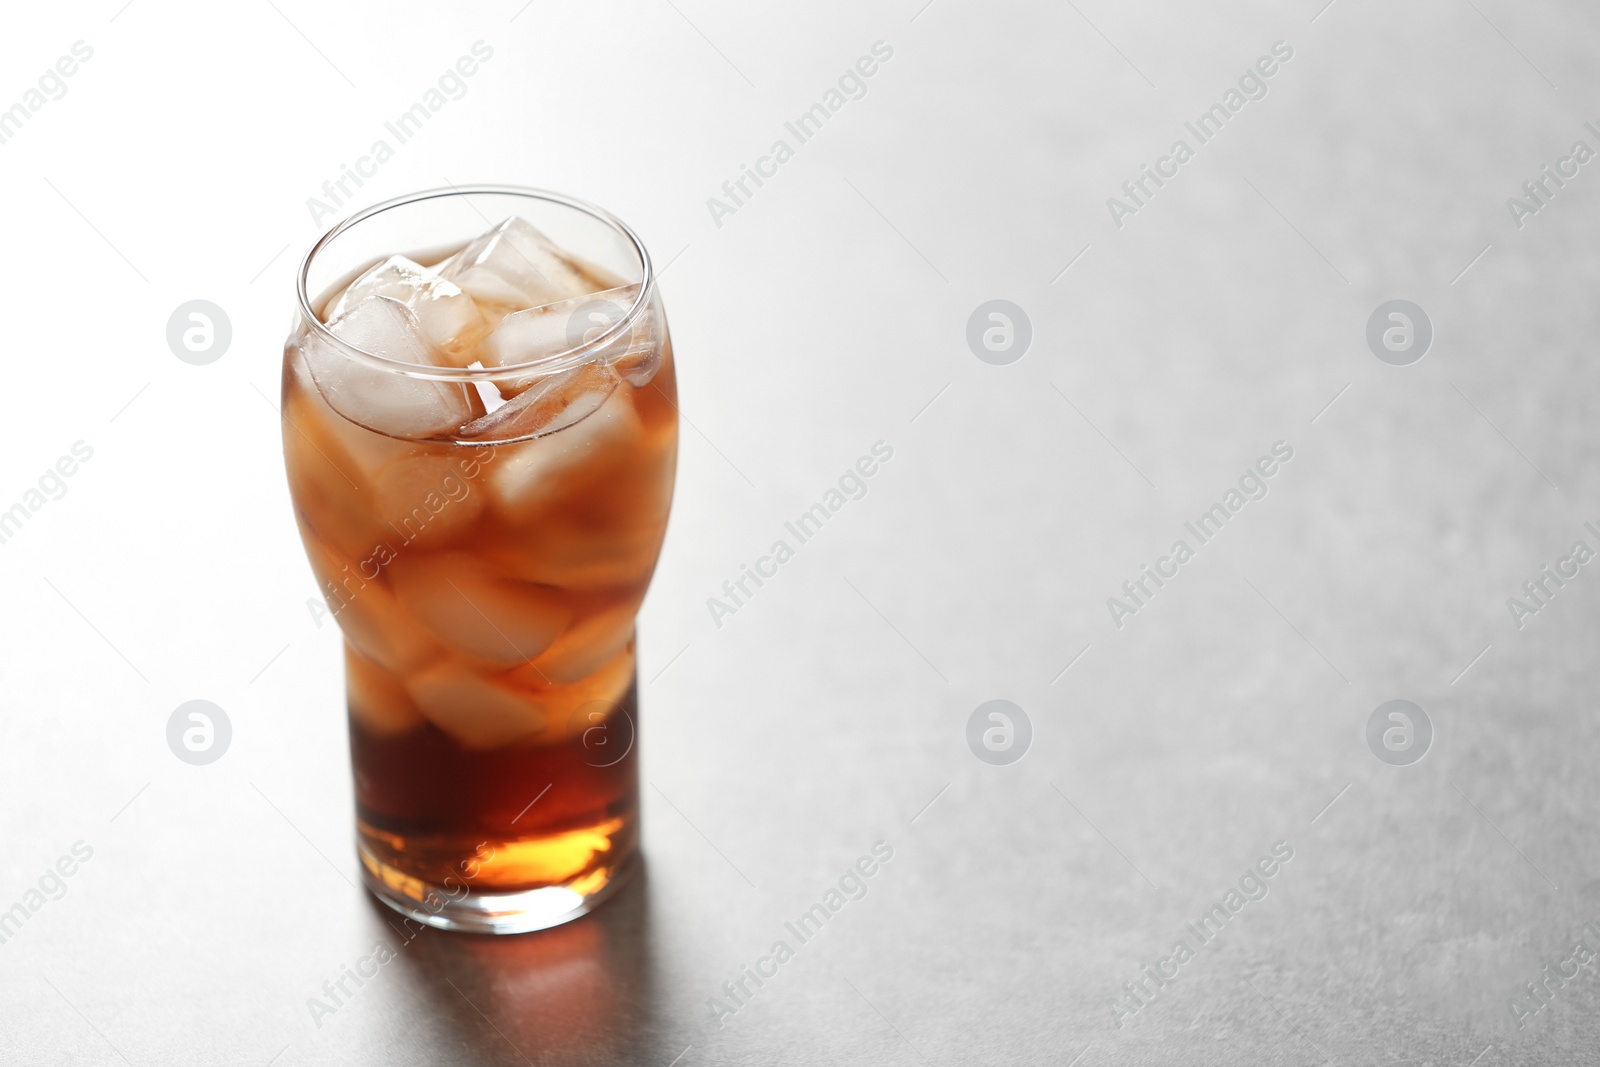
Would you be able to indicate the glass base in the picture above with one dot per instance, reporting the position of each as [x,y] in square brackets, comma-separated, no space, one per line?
[490,913]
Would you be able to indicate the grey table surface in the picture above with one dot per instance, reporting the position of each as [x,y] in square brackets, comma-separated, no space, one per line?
[823,312]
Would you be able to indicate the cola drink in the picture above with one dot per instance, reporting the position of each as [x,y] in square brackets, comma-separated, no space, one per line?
[480,442]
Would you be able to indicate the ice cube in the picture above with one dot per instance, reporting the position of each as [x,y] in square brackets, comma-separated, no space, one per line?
[550,329]
[470,608]
[588,644]
[530,477]
[480,713]
[425,500]
[325,479]
[373,620]
[640,357]
[447,317]
[524,336]
[387,401]
[573,710]
[542,332]
[585,519]
[514,266]
[551,403]
[359,451]
[378,700]
[577,558]
[637,352]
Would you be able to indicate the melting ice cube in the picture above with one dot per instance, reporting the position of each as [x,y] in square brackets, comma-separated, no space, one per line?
[447,317]
[552,403]
[384,400]
[515,266]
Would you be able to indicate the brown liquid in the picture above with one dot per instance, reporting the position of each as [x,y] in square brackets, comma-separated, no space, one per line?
[503,820]
[487,596]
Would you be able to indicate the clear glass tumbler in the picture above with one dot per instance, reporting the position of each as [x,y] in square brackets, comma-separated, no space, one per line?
[480,430]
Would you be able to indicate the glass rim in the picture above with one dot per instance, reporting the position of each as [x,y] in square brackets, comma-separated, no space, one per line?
[559,361]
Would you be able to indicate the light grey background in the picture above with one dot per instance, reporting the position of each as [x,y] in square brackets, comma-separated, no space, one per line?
[828,313]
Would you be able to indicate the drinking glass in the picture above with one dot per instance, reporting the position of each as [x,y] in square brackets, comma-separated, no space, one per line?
[480,432]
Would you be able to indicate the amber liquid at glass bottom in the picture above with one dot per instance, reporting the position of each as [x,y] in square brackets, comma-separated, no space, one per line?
[486,581]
